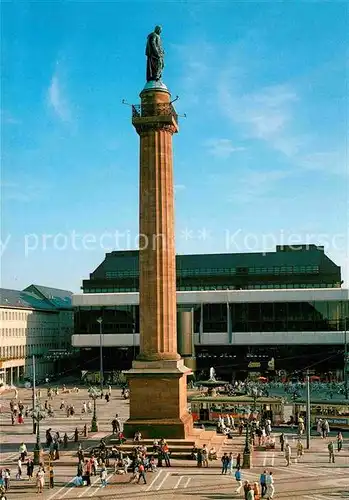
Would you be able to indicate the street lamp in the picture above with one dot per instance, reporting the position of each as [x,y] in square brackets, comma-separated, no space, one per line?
[346,361]
[38,414]
[94,393]
[100,321]
[246,462]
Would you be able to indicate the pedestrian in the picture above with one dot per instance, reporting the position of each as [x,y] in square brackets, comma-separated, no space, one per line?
[300,449]
[238,460]
[282,441]
[263,483]
[103,475]
[270,486]
[250,493]
[40,480]
[238,479]
[19,469]
[204,453]
[330,452]
[339,441]
[80,468]
[230,464]
[199,457]
[246,489]
[141,473]
[30,469]
[7,475]
[256,490]
[166,453]
[23,451]
[225,462]
[88,469]
[288,454]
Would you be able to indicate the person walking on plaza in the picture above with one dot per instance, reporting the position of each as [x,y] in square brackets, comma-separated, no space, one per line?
[330,452]
[88,470]
[300,449]
[30,469]
[19,469]
[246,487]
[238,479]
[263,482]
[23,451]
[141,473]
[325,428]
[250,493]
[40,480]
[103,475]
[282,441]
[270,486]
[6,476]
[256,490]
[339,441]
[288,454]
[238,460]
[225,462]
[204,453]
[230,464]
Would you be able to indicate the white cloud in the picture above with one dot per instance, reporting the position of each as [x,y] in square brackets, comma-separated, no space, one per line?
[222,148]
[329,162]
[25,191]
[256,185]
[263,115]
[57,100]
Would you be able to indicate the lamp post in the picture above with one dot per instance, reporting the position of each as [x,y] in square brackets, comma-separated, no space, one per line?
[94,393]
[308,412]
[100,321]
[38,414]
[33,394]
[246,462]
[346,361]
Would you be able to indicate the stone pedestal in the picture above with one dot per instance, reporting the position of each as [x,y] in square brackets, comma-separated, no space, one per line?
[158,400]
[158,378]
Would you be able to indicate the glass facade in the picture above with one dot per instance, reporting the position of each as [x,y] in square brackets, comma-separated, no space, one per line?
[243,317]
[120,319]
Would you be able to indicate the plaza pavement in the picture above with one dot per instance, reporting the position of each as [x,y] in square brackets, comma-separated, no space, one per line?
[313,478]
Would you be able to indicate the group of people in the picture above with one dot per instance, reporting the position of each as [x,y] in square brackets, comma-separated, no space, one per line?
[23,461]
[17,410]
[256,491]
[203,455]
[138,462]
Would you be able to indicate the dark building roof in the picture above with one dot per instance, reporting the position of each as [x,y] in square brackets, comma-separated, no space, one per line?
[313,256]
[306,263]
[36,297]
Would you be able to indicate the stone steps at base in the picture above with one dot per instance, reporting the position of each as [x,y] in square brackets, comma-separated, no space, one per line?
[149,442]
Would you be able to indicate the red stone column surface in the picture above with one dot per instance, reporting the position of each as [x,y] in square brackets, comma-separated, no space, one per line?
[157,265]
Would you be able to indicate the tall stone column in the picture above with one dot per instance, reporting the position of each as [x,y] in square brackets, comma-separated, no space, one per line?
[158,378]
[157,265]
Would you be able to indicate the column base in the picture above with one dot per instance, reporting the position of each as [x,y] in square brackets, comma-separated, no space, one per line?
[160,428]
[158,400]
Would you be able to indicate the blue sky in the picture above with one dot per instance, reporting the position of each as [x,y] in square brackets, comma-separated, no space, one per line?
[260,160]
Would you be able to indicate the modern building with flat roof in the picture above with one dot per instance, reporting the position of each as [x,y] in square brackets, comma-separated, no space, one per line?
[305,266]
[285,311]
